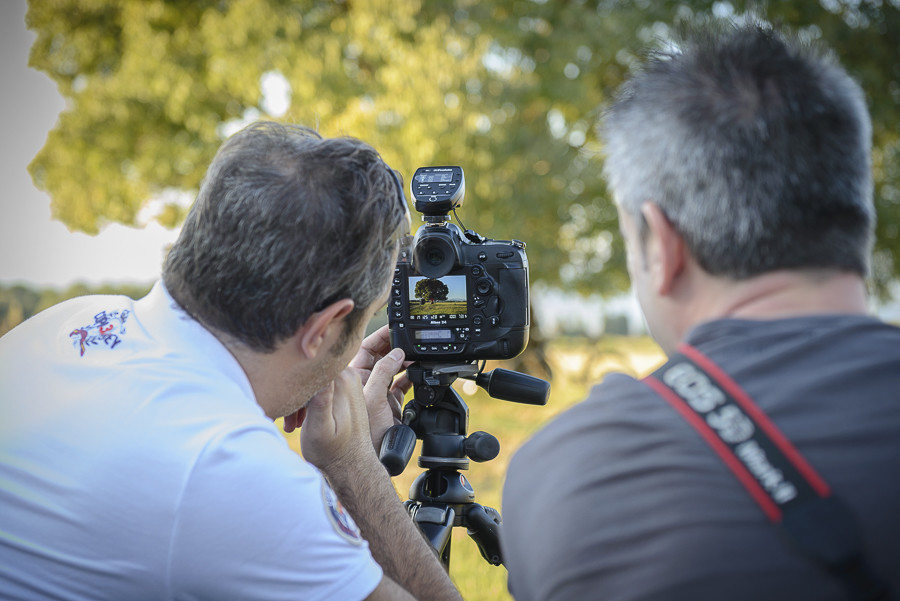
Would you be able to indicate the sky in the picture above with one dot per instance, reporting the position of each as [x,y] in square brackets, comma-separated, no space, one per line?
[34,249]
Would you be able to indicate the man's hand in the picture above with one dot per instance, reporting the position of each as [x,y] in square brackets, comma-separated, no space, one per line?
[336,437]
[377,365]
[335,433]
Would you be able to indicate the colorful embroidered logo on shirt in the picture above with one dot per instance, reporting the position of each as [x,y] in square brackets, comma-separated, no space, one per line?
[339,517]
[106,331]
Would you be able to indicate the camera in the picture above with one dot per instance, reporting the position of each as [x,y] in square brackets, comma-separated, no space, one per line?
[456,295]
[457,298]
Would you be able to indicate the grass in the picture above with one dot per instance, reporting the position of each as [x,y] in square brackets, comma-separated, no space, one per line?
[576,364]
[438,308]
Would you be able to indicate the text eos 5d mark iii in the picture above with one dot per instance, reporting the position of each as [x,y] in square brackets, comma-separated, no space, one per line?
[457,296]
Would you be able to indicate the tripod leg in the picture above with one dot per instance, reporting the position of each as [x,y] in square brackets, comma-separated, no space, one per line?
[484,527]
[436,523]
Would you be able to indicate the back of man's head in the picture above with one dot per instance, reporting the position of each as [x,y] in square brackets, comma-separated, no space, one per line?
[755,145]
[285,223]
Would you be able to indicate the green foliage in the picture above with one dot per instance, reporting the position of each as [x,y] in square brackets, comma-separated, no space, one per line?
[431,289]
[510,89]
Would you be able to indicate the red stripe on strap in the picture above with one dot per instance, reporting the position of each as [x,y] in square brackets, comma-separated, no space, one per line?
[732,388]
[743,475]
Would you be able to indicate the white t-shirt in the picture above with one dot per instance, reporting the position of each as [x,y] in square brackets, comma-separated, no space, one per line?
[136,464]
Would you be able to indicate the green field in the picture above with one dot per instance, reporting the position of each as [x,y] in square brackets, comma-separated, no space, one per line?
[576,366]
[438,308]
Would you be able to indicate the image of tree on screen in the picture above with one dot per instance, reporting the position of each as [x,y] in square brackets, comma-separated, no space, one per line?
[432,296]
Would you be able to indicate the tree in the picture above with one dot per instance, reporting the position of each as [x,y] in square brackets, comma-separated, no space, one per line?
[511,90]
[431,290]
[571,56]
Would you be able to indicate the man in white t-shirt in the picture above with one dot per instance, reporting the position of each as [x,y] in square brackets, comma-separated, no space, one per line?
[138,454]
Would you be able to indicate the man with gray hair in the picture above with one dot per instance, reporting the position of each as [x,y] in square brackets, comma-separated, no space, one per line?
[740,165]
[138,454]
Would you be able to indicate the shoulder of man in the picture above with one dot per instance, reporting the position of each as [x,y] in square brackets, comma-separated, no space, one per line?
[618,397]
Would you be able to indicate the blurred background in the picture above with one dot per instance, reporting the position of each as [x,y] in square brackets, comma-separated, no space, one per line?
[112,109]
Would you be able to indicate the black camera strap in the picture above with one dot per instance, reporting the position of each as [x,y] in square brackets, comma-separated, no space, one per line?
[792,495]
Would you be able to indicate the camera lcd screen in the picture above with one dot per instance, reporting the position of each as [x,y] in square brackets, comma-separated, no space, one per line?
[434,335]
[428,178]
[438,298]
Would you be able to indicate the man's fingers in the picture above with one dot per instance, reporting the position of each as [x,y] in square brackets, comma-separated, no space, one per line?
[319,410]
[294,420]
[378,341]
[374,347]
[402,383]
[395,399]
[384,371]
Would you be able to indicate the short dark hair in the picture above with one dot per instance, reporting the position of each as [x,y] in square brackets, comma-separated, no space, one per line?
[285,223]
[755,145]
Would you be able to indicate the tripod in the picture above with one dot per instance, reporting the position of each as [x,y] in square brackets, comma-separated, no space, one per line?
[441,498]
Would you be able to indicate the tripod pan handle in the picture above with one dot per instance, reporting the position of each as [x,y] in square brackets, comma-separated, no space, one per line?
[512,386]
[397,448]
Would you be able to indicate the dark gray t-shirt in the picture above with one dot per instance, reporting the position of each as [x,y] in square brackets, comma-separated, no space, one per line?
[619,499]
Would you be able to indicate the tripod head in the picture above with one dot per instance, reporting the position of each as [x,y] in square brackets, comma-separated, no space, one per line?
[441,497]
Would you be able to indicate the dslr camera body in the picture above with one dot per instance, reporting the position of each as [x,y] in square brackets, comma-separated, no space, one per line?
[456,295]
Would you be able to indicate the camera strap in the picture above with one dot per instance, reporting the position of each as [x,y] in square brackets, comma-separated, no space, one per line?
[791,494]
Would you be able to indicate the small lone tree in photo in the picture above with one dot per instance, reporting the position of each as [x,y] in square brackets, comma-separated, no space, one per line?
[431,290]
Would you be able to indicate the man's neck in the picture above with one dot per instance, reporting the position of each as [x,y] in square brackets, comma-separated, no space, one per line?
[276,377]
[791,294]
[775,295]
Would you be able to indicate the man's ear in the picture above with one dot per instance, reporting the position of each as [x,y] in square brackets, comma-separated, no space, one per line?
[311,334]
[665,249]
